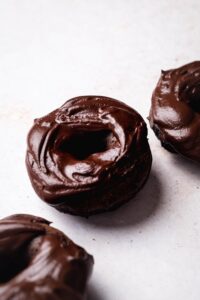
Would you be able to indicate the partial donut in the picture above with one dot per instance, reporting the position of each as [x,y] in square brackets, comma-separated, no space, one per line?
[39,262]
[175,110]
[89,156]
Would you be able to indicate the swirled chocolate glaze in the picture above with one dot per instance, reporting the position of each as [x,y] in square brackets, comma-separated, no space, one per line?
[88,156]
[39,262]
[175,110]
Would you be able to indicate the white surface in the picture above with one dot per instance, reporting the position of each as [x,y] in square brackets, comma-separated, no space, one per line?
[53,50]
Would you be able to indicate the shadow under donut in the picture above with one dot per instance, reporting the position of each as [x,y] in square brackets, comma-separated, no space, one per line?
[137,210]
[92,294]
[187,165]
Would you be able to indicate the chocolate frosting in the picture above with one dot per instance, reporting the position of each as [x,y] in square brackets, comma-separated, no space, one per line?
[88,156]
[175,110]
[39,262]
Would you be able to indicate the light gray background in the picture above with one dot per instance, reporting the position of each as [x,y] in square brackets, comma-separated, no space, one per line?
[51,50]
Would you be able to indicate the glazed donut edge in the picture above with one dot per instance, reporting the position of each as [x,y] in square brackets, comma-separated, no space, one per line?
[175,110]
[40,262]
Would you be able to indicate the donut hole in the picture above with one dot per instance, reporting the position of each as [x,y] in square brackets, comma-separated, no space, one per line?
[12,265]
[82,144]
[191,96]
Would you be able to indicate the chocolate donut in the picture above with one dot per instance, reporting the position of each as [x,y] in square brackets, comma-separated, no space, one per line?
[175,110]
[89,156]
[39,262]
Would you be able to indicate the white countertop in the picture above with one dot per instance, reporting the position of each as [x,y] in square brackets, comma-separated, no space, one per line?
[52,50]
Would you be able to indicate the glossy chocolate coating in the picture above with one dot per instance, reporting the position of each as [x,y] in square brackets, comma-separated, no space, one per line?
[175,110]
[90,155]
[39,262]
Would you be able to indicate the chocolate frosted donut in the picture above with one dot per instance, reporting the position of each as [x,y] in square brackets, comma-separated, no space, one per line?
[175,110]
[90,155]
[39,262]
